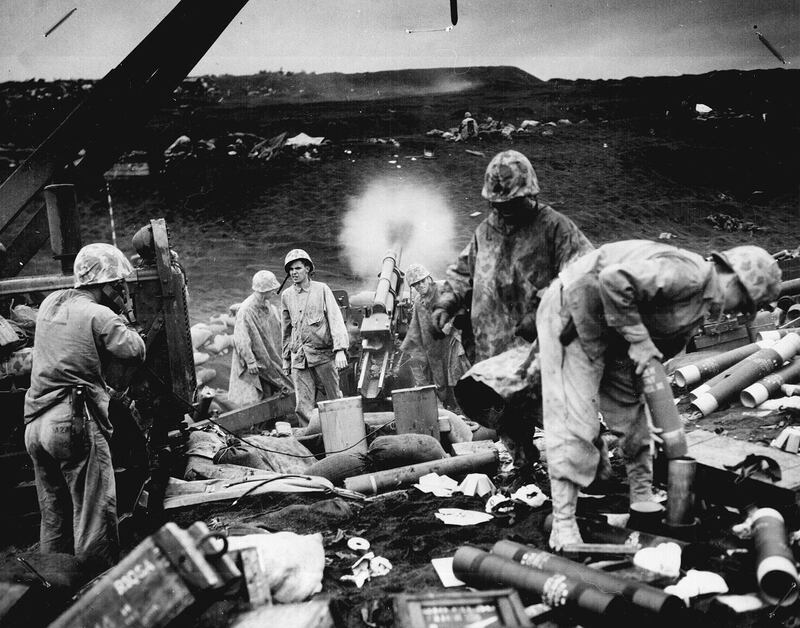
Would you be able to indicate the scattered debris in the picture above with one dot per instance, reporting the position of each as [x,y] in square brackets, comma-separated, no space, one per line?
[696,583]
[444,569]
[725,222]
[477,484]
[460,517]
[531,495]
[663,559]
[367,567]
[788,439]
[439,485]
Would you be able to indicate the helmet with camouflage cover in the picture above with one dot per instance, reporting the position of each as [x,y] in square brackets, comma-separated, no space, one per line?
[297,254]
[509,175]
[100,263]
[264,281]
[416,273]
[756,270]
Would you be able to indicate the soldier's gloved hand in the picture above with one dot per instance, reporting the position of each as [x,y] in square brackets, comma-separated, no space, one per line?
[287,368]
[526,328]
[252,369]
[440,318]
[642,352]
[341,359]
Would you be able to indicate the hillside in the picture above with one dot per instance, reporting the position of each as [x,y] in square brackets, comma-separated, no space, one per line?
[636,161]
[336,86]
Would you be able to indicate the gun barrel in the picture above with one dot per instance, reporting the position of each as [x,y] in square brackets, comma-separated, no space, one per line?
[388,282]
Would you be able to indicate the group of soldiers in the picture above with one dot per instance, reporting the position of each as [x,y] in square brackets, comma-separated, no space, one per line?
[596,316]
[528,278]
[300,348]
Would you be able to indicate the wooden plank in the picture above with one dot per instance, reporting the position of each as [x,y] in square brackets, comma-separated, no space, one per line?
[176,315]
[719,451]
[10,594]
[699,436]
[26,243]
[416,411]
[273,407]
[313,614]
[377,419]
[51,283]
[255,578]
[216,490]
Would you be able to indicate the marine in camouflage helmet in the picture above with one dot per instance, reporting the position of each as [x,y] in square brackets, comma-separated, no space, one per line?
[100,263]
[757,271]
[416,273]
[264,281]
[509,175]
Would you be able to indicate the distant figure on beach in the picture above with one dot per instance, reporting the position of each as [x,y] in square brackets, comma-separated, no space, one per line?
[468,127]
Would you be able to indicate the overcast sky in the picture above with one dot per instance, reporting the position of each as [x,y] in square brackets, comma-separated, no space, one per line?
[560,38]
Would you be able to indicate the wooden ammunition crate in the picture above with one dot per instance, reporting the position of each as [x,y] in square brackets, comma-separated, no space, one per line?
[460,608]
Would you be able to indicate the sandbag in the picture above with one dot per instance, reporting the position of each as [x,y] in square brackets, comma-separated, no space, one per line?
[11,336]
[201,334]
[204,376]
[484,433]
[200,358]
[205,443]
[224,319]
[493,391]
[17,364]
[337,467]
[389,452]
[217,328]
[293,563]
[25,316]
[282,454]
[220,343]
[460,431]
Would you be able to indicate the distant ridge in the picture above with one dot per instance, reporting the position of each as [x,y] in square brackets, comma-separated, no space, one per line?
[370,85]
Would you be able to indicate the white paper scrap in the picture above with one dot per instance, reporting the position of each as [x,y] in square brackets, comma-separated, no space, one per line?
[459,517]
[444,569]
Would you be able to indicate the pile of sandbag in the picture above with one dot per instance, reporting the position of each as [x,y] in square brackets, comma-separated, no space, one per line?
[16,342]
[209,341]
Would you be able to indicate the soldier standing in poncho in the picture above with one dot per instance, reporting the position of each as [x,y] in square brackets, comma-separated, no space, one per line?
[493,290]
[514,254]
[434,358]
[256,364]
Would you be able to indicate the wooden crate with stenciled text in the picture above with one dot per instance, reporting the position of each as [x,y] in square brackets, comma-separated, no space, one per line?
[167,573]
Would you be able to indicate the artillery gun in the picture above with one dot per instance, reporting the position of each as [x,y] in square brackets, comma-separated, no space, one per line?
[378,322]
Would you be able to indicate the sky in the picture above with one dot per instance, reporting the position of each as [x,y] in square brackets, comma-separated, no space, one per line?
[571,39]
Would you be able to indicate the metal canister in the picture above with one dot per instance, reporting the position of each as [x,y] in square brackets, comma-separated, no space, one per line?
[775,569]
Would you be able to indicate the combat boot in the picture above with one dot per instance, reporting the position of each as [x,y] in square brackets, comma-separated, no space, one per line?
[565,527]
[640,477]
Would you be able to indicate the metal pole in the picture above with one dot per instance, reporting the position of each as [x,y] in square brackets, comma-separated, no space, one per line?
[64,223]
[111,215]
